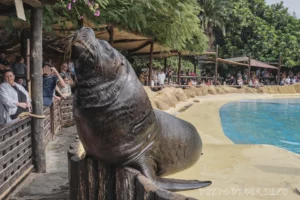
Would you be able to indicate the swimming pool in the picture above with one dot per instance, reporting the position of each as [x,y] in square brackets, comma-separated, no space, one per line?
[275,122]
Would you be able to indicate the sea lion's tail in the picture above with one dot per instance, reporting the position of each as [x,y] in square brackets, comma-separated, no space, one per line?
[180,185]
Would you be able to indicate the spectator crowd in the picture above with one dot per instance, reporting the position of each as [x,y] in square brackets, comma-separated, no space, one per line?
[258,78]
[14,96]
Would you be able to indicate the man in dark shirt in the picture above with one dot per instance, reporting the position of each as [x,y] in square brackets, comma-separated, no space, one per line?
[50,78]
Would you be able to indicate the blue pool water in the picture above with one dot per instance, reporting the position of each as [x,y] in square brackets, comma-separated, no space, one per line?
[275,122]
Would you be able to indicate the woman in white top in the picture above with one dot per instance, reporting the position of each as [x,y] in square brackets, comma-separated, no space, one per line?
[13,96]
[161,78]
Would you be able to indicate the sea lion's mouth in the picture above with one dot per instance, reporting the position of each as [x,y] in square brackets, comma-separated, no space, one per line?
[79,44]
[85,46]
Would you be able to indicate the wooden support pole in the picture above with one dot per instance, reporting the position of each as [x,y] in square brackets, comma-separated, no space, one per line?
[111,34]
[279,68]
[165,66]
[249,69]
[179,68]
[216,66]
[195,66]
[150,62]
[39,156]
[28,68]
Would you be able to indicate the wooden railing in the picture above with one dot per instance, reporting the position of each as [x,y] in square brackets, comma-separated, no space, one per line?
[15,154]
[16,143]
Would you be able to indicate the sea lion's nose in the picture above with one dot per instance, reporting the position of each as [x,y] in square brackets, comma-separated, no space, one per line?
[86,30]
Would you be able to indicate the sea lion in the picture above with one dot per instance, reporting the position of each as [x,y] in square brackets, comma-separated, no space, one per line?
[116,122]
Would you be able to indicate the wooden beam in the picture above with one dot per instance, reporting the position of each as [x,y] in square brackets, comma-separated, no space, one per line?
[249,69]
[129,40]
[39,156]
[179,68]
[33,3]
[231,62]
[165,65]
[279,68]
[154,53]
[48,2]
[58,50]
[28,68]
[110,30]
[150,62]
[140,47]
[216,65]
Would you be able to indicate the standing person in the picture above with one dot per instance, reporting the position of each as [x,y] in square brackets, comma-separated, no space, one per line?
[161,77]
[154,78]
[65,72]
[4,65]
[3,60]
[13,96]
[71,69]
[50,78]
[170,74]
[20,70]
[240,81]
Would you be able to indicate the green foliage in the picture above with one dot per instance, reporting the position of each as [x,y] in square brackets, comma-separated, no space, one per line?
[174,23]
[264,31]
[212,15]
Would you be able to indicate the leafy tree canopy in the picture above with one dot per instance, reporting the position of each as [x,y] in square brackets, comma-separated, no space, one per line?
[173,23]
[264,31]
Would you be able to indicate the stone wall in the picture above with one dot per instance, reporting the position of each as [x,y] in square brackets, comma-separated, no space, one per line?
[169,96]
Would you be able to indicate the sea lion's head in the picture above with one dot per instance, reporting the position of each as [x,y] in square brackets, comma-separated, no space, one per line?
[100,69]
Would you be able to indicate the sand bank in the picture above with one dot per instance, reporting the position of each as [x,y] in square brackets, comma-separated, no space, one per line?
[237,171]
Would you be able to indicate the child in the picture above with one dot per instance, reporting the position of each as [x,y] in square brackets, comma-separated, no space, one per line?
[66,91]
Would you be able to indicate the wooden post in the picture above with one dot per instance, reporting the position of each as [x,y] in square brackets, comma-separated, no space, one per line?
[39,157]
[216,67]
[179,67]
[94,180]
[111,34]
[279,68]
[25,35]
[80,23]
[150,62]
[249,69]
[165,67]
[28,68]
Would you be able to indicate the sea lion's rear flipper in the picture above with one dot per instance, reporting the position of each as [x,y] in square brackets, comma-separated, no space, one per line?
[180,185]
[173,184]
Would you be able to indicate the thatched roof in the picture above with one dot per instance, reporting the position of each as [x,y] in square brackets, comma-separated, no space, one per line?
[253,62]
[123,40]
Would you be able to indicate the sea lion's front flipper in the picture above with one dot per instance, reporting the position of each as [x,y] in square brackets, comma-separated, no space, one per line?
[172,184]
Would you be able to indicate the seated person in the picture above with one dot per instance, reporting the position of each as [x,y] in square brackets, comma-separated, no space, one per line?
[50,78]
[14,97]
[240,81]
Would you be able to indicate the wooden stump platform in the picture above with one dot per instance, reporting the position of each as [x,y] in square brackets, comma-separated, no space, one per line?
[90,179]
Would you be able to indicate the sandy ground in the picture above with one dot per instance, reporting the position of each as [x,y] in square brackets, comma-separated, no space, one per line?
[237,171]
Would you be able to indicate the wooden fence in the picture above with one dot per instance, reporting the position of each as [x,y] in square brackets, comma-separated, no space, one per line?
[16,140]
